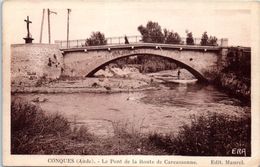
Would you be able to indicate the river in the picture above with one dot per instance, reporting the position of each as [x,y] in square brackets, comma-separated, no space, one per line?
[161,111]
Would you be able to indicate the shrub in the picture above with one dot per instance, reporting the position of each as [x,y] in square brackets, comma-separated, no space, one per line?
[171,37]
[213,41]
[189,39]
[204,39]
[29,124]
[208,41]
[211,135]
[81,134]
[96,38]
[127,129]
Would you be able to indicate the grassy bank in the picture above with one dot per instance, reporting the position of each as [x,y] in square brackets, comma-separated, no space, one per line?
[35,132]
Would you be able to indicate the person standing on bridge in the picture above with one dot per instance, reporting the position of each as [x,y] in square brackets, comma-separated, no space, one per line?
[126,40]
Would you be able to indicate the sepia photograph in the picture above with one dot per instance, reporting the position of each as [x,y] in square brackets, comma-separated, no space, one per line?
[129,78]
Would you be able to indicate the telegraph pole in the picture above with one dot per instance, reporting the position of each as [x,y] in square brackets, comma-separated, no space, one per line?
[49,24]
[68,19]
[43,12]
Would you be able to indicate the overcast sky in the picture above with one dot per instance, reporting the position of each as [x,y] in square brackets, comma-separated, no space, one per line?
[117,18]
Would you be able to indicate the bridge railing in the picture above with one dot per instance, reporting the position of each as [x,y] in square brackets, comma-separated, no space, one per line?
[79,43]
[110,41]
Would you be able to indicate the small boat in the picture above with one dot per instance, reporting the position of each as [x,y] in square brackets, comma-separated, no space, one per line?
[184,81]
[131,98]
[39,100]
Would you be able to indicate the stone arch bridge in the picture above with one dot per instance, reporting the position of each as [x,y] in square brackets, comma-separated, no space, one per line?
[199,60]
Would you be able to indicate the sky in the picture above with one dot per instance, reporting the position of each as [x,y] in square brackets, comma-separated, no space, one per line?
[114,18]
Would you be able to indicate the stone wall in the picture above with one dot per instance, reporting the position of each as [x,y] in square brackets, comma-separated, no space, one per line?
[33,63]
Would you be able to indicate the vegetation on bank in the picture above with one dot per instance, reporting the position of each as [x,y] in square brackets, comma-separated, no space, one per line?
[210,135]
[35,132]
[235,77]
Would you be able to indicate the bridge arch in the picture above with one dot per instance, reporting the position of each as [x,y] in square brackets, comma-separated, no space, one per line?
[193,71]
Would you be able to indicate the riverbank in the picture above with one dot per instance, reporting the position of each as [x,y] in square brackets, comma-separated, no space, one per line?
[35,132]
[235,85]
[110,80]
[89,85]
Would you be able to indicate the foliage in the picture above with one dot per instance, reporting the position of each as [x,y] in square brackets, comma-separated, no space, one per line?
[29,124]
[171,37]
[208,41]
[204,39]
[151,33]
[189,39]
[96,38]
[211,135]
[33,131]
[238,62]
[235,77]
[81,134]
[235,85]
[147,63]
[212,41]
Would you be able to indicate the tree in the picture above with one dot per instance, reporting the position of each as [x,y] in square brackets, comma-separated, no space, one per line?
[209,41]
[189,39]
[204,39]
[171,37]
[152,33]
[212,41]
[96,38]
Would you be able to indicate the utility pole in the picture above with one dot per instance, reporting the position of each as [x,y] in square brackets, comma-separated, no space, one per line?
[68,19]
[43,12]
[49,24]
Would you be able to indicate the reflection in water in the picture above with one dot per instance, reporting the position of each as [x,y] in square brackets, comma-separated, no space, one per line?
[162,110]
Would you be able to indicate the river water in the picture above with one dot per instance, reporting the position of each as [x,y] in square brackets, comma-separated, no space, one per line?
[161,111]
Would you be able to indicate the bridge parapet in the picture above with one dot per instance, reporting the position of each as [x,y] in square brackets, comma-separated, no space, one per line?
[155,46]
[80,43]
